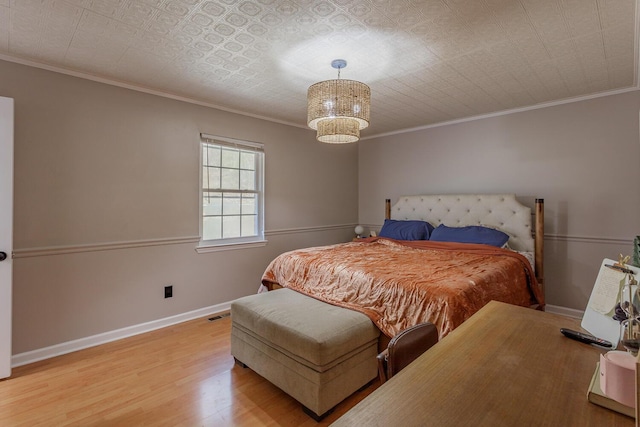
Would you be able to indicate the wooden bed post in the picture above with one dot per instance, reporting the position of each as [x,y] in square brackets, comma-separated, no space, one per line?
[539,242]
[387,208]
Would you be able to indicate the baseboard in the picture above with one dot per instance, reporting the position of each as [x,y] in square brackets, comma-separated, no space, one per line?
[82,343]
[103,338]
[564,311]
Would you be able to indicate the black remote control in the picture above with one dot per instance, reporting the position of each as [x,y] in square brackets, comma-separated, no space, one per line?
[585,338]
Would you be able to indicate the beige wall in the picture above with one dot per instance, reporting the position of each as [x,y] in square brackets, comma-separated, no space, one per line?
[583,158]
[97,164]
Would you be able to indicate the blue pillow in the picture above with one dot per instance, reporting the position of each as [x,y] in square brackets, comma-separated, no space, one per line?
[469,234]
[406,230]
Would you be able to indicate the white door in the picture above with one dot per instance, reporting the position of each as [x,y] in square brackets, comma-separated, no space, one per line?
[6,232]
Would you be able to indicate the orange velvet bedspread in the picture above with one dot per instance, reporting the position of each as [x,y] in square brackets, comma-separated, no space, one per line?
[400,283]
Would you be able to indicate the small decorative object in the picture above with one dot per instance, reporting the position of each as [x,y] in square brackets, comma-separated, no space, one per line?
[630,335]
[359,231]
[636,251]
[338,109]
[628,310]
[617,377]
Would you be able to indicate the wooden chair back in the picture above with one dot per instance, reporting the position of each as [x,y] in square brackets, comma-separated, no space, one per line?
[404,348]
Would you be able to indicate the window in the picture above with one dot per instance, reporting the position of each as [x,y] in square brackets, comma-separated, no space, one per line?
[232,192]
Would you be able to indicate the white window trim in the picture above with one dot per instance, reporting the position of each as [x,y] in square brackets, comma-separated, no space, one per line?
[206,246]
[204,249]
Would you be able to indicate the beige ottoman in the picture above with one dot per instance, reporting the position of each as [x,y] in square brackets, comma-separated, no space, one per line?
[316,352]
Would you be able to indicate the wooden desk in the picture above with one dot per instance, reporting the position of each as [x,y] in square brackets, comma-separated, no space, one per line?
[505,366]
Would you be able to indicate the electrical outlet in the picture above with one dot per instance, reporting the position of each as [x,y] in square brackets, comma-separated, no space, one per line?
[168,291]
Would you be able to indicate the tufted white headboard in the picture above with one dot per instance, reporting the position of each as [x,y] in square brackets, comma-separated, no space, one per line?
[499,211]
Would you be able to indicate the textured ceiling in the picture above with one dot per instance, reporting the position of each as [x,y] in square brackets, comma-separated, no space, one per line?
[426,61]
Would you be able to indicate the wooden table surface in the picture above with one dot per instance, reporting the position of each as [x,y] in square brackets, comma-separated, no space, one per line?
[505,366]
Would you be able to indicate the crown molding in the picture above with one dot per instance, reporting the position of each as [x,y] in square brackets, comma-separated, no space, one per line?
[137,88]
[506,112]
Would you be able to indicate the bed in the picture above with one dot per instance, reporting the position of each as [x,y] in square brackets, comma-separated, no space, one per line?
[400,282]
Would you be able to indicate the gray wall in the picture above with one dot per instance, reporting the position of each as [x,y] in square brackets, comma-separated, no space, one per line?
[98,168]
[583,158]
[106,179]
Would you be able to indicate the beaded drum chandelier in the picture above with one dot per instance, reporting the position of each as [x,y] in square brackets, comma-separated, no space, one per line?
[338,109]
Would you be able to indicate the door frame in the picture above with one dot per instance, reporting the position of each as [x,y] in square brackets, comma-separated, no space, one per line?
[6,231]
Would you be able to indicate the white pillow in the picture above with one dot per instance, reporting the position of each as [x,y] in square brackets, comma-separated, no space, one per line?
[530,256]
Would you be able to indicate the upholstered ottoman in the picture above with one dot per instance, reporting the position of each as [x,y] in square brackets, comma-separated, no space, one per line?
[317,353]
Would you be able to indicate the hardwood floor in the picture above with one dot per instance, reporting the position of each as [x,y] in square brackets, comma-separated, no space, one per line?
[181,375]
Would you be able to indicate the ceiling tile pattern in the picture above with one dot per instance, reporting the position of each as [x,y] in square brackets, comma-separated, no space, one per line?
[427,61]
